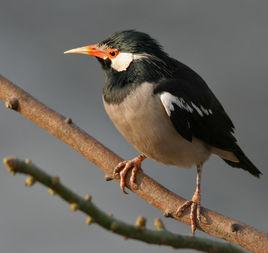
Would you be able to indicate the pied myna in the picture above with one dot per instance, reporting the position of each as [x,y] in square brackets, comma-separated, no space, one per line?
[164,109]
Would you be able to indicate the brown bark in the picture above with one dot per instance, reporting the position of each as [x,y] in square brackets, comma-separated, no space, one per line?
[216,225]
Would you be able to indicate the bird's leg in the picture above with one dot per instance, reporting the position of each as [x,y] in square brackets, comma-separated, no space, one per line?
[194,204]
[123,167]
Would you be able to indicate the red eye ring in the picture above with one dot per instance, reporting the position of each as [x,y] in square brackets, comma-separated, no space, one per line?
[112,53]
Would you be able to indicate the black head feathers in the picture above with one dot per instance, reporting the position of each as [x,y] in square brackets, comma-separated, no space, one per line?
[132,41]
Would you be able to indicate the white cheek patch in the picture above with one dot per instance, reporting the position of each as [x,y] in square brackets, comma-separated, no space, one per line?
[122,61]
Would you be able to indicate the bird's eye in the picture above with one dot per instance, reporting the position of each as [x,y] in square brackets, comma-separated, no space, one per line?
[113,53]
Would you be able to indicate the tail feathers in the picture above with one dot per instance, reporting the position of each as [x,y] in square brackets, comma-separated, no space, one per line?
[243,163]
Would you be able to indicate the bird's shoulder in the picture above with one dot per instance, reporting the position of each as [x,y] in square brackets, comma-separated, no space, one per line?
[193,108]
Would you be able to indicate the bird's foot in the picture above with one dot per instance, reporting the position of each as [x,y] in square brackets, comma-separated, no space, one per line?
[195,214]
[123,167]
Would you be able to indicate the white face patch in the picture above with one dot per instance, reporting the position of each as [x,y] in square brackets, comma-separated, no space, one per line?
[168,100]
[122,61]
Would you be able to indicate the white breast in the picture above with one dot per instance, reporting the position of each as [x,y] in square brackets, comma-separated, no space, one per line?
[142,120]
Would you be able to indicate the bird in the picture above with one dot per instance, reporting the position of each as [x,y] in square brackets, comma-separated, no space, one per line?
[164,109]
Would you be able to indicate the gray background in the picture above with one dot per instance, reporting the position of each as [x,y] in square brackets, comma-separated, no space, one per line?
[225,41]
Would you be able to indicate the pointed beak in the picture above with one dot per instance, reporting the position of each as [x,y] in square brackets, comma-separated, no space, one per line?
[92,50]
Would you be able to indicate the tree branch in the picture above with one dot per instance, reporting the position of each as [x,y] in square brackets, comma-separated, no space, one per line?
[64,129]
[94,214]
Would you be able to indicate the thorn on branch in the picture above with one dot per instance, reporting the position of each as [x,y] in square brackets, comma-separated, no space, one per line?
[8,162]
[167,213]
[108,178]
[29,181]
[12,103]
[89,220]
[88,197]
[114,226]
[28,161]
[158,224]
[140,222]
[118,227]
[51,192]
[74,207]
[68,121]
[235,227]
[55,180]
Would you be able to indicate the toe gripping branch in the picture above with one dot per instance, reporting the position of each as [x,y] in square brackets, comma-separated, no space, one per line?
[123,167]
[194,204]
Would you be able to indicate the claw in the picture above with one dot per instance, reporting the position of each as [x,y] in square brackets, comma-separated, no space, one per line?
[122,169]
[198,213]
[195,214]
[123,174]
[117,169]
[193,217]
[183,207]
[194,204]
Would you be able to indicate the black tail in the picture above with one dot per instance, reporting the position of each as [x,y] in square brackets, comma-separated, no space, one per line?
[244,163]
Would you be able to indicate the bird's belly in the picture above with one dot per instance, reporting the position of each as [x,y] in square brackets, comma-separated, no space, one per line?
[142,120]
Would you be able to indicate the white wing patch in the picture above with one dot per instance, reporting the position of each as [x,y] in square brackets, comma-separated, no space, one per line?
[122,61]
[168,100]
[199,111]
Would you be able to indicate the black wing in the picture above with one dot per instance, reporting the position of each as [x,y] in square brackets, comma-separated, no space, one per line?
[195,111]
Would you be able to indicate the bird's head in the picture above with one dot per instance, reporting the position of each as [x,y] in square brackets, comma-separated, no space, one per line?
[121,49]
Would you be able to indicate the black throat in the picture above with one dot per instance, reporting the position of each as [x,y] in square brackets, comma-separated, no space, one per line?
[119,84]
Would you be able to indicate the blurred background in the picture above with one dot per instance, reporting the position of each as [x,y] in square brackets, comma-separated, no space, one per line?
[224,41]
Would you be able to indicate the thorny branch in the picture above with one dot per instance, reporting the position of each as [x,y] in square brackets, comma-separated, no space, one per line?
[63,128]
[138,231]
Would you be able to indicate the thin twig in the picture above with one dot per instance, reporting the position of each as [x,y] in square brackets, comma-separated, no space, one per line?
[95,215]
[63,128]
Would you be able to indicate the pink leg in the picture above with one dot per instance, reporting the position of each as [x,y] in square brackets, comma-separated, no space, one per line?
[123,168]
[194,204]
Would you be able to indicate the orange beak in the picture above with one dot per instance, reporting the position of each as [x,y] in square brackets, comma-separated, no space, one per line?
[92,50]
